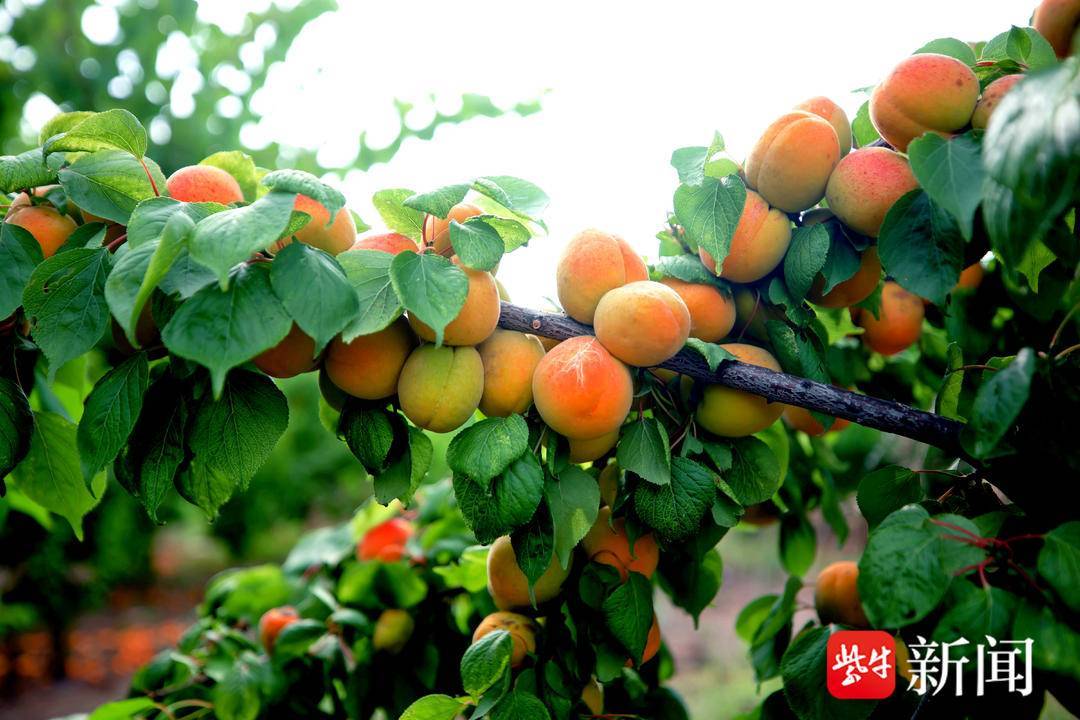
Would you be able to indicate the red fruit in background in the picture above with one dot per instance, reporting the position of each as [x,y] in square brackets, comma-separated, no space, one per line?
[386,541]
[273,622]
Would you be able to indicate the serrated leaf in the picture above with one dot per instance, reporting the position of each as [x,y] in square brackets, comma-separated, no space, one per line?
[237,696]
[315,291]
[921,246]
[574,501]
[369,433]
[508,502]
[710,212]
[485,662]
[226,239]
[434,707]
[519,705]
[390,204]
[948,398]
[862,129]
[951,173]
[952,47]
[368,271]
[675,510]
[109,130]
[487,448]
[1059,562]
[477,244]
[520,197]
[149,217]
[534,545]
[290,182]
[805,258]
[755,472]
[998,403]
[798,544]
[112,408]
[885,491]
[628,614]
[62,122]
[15,427]
[713,353]
[437,202]
[110,183]
[687,268]
[27,170]
[19,255]
[803,668]
[644,449]
[430,287]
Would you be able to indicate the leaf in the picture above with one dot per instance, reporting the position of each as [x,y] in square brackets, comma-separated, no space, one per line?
[510,501]
[518,196]
[1059,563]
[951,173]
[290,182]
[402,478]
[109,130]
[1055,644]
[574,501]
[222,329]
[228,238]
[952,47]
[519,705]
[19,255]
[710,212]
[975,612]
[26,170]
[862,129]
[110,183]
[921,247]
[948,398]
[796,351]
[713,353]
[314,290]
[644,449]
[805,258]
[390,204]
[755,471]
[485,662]
[15,427]
[689,164]
[241,166]
[512,233]
[437,202]
[694,584]
[803,669]
[112,408]
[487,448]
[885,491]
[149,217]
[798,544]
[477,244]
[62,122]
[687,268]
[534,546]
[675,510]
[237,696]
[434,707]
[65,303]
[842,261]
[368,271]
[628,614]
[122,709]
[998,403]
[1025,46]
[369,433]
[430,287]
[231,437]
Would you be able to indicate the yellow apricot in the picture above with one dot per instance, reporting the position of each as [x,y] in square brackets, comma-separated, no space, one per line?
[836,595]
[790,164]
[607,542]
[580,390]
[391,242]
[478,317]
[509,361]
[509,587]
[761,238]
[591,264]
[829,111]
[991,96]
[728,412]
[522,630]
[642,323]
[47,225]
[295,354]
[204,183]
[853,290]
[1058,22]
[368,367]
[712,312]
[899,321]
[440,387]
[592,448]
[866,184]
[436,231]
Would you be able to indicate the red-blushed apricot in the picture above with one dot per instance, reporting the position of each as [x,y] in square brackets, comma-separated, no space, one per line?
[790,163]
[832,113]
[48,226]
[853,290]
[652,643]
[924,93]
[761,238]
[866,184]
[590,449]
[334,238]
[593,697]
[591,264]
[642,323]
[273,622]
[522,631]
[295,354]
[390,242]
[836,595]
[609,483]
[204,183]
[800,418]
[991,96]
[440,387]
[386,541]
[580,390]
[1058,21]
[607,542]
[393,629]
[436,231]
[478,317]
[369,366]
[712,312]
[509,358]
[971,278]
[899,322]
[507,584]
[727,412]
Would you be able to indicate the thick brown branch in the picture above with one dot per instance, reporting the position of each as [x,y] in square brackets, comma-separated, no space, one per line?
[892,417]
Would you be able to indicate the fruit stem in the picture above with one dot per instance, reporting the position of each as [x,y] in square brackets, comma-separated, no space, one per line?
[111,247]
[150,177]
[1061,327]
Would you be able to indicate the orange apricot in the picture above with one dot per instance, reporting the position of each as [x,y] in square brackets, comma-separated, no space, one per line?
[791,162]
[386,541]
[642,323]
[853,290]
[204,183]
[580,390]
[712,312]
[652,643]
[478,317]
[369,366]
[728,412]
[509,358]
[522,630]
[590,449]
[390,242]
[836,595]
[440,387]
[899,321]
[991,96]
[295,354]
[1058,21]
[591,264]
[971,278]
[273,622]
[800,418]
[334,238]
[866,184]
[47,225]
[436,231]
[607,542]
[761,238]
[829,111]
[507,584]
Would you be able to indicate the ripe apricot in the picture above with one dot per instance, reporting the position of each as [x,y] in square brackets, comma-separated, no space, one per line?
[853,290]
[832,113]
[369,366]
[509,358]
[991,96]
[971,278]
[899,321]
[386,541]
[800,418]
[642,323]
[295,354]
[391,242]
[204,183]
[509,587]
[580,390]
[607,543]
[734,413]
[866,184]
[436,231]
[590,449]
[712,312]
[334,238]
[925,93]
[522,631]
[393,629]
[761,238]
[440,387]
[790,163]
[836,595]
[273,622]
[652,643]
[478,317]
[1058,22]
[591,264]
[48,226]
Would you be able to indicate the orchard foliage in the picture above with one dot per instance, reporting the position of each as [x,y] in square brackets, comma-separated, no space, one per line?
[940,272]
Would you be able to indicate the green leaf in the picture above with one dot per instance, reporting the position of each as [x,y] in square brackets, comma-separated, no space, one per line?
[231,437]
[390,204]
[755,471]
[842,261]
[434,707]
[368,271]
[27,170]
[948,398]
[752,616]
[921,247]
[518,196]
[805,258]
[15,427]
[110,183]
[534,546]
[1059,563]
[694,584]
[430,287]
[225,239]
[713,353]
[369,433]
[644,449]
[796,351]
[477,244]
[574,501]
[62,122]
[65,303]
[798,544]
[109,130]
[1025,46]
[241,166]
[975,612]
[519,705]
[122,709]
[485,662]
[291,182]
[687,268]
[237,695]
[628,614]
[314,290]
[998,403]
[710,212]
[437,202]
[19,255]
[404,475]
[803,668]
[222,329]
[112,408]
[862,129]
[885,491]
[675,510]
[689,163]
[296,639]
[149,217]
[510,501]
[951,173]
[487,448]
[1055,644]
[952,47]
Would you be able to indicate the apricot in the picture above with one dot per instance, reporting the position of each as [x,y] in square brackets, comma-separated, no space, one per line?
[866,184]
[478,317]
[836,596]
[751,313]
[391,242]
[522,631]
[509,358]
[47,225]
[855,289]
[548,343]
[607,543]
[924,93]
[436,231]
[800,418]
[591,449]
[440,387]
[369,366]
[642,323]
[971,278]
[728,412]
[294,355]
[791,162]
[991,96]
[899,321]
[273,622]
[386,541]
[591,264]
[1058,21]
[509,587]
[204,183]
[832,113]
[652,643]
[593,697]
[712,312]
[393,629]
[580,390]
[334,238]
[761,238]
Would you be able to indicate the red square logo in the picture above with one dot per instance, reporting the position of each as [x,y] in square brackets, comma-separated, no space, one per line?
[860,665]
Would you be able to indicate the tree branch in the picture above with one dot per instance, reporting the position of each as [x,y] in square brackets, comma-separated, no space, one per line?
[886,415]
